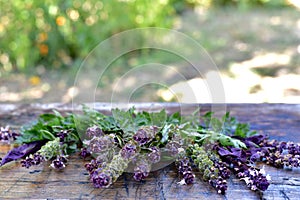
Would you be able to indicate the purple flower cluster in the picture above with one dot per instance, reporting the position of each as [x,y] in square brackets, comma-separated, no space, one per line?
[154,155]
[84,153]
[220,184]
[141,170]
[129,151]
[94,164]
[91,166]
[62,134]
[143,163]
[94,131]
[280,154]
[275,153]
[59,162]
[103,173]
[106,173]
[100,144]
[185,170]
[7,135]
[213,170]
[253,177]
[145,134]
[31,160]
[223,173]
[101,179]
[172,148]
[221,166]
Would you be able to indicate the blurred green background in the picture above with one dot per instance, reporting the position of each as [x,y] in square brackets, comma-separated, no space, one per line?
[44,42]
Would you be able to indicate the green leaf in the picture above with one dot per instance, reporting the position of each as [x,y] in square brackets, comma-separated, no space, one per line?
[229,141]
[158,118]
[47,117]
[193,134]
[120,141]
[72,148]
[72,137]
[216,125]
[206,118]
[175,118]
[142,118]
[229,123]
[165,133]
[57,114]
[241,130]
[251,133]
[29,136]
[47,135]
[125,121]
[193,119]
[54,122]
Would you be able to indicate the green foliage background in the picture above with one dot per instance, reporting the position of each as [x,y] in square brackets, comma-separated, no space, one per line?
[59,34]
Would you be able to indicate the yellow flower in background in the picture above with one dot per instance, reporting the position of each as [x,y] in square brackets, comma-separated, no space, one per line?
[34,80]
[43,49]
[60,21]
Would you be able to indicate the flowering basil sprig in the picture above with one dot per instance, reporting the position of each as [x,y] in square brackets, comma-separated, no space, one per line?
[7,135]
[103,177]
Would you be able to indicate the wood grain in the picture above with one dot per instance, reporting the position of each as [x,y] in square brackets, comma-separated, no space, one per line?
[280,121]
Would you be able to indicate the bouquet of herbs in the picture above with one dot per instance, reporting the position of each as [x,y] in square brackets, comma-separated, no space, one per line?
[138,142]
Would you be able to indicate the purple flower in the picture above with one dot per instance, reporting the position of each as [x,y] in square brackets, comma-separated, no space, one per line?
[84,153]
[7,135]
[280,154]
[28,162]
[154,156]
[62,135]
[93,165]
[141,171]
[145,135]
[173,148]
[128,151]
[222,167]
[210,165]
[262,183]
[100,144]
[254,178]
[90,167]
[31,160]
[255,157]
[183,165]
[94,131]
[101,180]
[141,137]
[38,159]
[59,163]
[142,167]
[189,177]
[293,161]
[293,148]
[236,152]
[185,170]
[220,184]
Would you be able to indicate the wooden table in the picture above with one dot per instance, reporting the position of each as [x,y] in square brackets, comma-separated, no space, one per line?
[280,121]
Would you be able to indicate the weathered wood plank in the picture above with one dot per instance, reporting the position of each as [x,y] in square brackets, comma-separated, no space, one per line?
[278,120]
